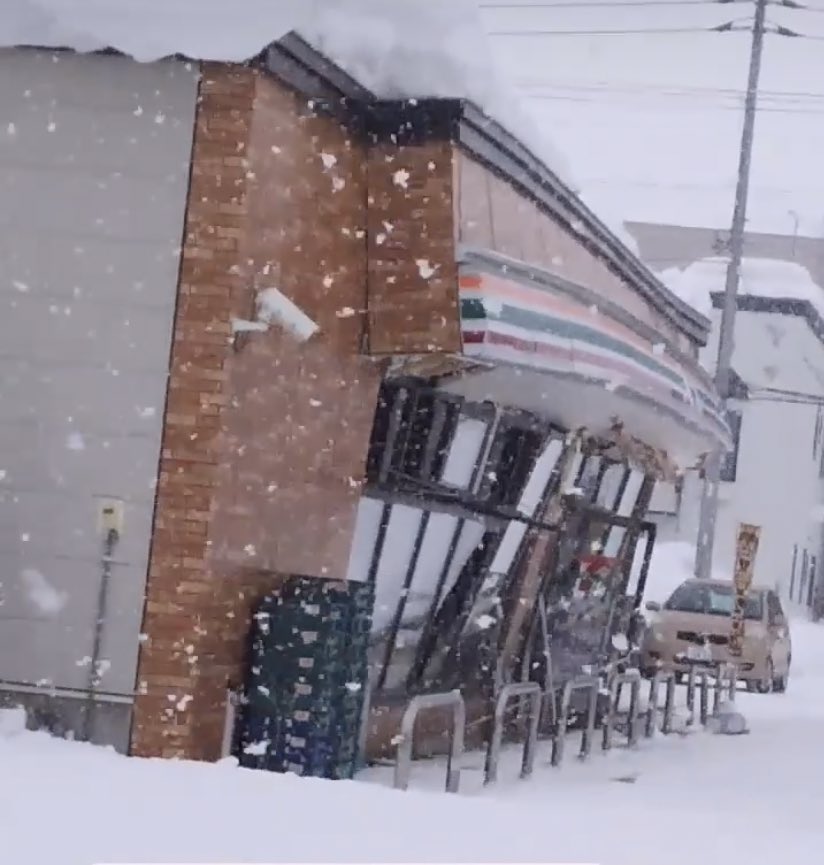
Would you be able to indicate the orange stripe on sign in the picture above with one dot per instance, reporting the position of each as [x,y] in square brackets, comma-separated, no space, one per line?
[469,280]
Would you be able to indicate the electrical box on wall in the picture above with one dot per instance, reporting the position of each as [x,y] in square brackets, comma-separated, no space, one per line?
[110,516]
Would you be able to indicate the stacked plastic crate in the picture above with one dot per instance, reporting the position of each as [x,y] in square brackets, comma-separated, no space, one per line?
[306,683]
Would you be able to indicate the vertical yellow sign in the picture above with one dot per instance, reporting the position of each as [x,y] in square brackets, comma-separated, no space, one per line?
[746,548]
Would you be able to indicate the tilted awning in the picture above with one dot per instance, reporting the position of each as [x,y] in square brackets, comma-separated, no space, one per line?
[540,343]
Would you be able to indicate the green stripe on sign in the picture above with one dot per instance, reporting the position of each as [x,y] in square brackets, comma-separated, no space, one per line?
[472,308]
[541,322]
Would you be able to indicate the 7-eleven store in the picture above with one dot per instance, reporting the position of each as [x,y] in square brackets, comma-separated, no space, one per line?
[508,488]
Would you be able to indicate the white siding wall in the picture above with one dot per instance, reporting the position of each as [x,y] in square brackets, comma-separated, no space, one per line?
[94,164]
[778,485]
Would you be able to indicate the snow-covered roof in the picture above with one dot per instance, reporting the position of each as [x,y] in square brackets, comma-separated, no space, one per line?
[394,48]
[760,277]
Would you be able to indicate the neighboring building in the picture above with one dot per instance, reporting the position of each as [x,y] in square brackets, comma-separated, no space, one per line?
[775,476]
[662,247]
[265,323]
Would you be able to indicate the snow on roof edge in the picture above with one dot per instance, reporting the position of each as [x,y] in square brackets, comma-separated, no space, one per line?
[411,48]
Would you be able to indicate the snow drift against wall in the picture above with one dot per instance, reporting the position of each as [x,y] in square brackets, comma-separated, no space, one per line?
[397,49]
[760,277]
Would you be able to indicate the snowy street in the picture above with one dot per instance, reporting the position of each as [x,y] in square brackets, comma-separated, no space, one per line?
[361,358]
[700,798]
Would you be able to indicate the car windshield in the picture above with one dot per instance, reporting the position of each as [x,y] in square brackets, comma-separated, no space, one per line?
[712,600]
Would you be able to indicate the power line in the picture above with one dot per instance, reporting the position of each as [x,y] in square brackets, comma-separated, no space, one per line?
[765,109]
[605,4]
[643,88]
[730,27]
[641,4]
[617,32]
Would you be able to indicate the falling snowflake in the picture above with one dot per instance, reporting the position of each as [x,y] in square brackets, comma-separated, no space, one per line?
[484,622]
[329,160]
[401,178]
[75,442]
[425,268]
[42,593]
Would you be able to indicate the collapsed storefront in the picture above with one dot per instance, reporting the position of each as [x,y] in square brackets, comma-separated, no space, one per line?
[402,355]
[503,522]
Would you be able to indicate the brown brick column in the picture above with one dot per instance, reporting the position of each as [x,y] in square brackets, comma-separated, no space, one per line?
[182,605]
[413,276]
[256,478]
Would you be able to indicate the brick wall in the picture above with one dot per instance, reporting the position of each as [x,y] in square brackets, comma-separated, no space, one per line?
[413,293]
[494,216]
[255,479]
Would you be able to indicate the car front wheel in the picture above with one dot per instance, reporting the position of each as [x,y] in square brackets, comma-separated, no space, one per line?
[780,684]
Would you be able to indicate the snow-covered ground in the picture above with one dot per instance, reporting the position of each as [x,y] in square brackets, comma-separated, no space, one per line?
[681,800]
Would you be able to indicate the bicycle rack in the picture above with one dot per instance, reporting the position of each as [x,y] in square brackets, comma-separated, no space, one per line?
[229,723]
[507,694]
[667,676]
[703,683]
[727,673]
[363,730]
[633,679]
[592,684]
[403,763]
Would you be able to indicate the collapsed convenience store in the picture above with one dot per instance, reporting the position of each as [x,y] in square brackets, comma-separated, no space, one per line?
[408,360]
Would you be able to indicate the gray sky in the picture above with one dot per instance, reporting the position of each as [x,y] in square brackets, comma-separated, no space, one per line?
[650,122]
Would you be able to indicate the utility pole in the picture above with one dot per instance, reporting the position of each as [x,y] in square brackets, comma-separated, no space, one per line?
[726,341]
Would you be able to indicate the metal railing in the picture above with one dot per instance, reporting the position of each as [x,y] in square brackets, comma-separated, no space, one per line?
[510,692]
[727,674]
[633,679]
[592,685]
[703,680]
[403,763]
[233,699]
[661,676]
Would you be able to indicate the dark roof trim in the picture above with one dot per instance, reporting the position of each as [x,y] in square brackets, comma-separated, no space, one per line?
[780,305]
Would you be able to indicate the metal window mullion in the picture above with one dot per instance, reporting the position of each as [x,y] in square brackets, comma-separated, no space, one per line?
[440,415]
[394,628]
[421,662]
[388,455]
[380,541]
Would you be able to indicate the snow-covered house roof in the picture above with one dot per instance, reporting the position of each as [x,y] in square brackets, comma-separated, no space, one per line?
[402,49]
[769,279]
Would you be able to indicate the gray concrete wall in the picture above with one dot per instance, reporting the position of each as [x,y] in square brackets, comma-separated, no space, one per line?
[94,166]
